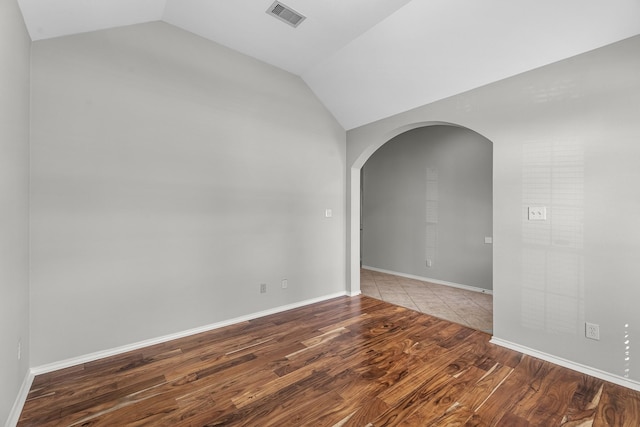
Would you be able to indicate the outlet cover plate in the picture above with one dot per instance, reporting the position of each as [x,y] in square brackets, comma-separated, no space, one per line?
[592,331]
[537,213]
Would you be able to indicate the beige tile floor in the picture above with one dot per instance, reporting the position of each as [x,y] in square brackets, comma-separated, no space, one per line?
[473,309]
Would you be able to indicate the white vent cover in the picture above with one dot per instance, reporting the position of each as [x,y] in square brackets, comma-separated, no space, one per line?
[285,14]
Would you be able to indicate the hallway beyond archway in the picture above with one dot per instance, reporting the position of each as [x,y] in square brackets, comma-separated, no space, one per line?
[468,308]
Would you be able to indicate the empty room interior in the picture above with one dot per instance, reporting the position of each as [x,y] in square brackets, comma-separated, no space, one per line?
[227,184]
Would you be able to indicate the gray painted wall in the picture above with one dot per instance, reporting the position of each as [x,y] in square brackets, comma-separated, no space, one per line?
[565,136]
[427,195]
[170,176]
[14,198]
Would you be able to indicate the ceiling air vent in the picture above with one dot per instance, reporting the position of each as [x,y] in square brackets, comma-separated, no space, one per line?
[285,13]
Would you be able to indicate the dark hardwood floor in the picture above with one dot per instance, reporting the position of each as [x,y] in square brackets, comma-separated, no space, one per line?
[344,362]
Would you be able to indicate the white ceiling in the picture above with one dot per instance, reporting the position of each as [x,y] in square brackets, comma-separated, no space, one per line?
[369,59]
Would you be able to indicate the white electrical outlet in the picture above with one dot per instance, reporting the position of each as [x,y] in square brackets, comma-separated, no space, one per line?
[592,331]
[429,263]
[19,349]
[263,288]
[285,283]
[537,213]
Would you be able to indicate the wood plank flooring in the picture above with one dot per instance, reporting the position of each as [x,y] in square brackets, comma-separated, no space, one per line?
[343,362]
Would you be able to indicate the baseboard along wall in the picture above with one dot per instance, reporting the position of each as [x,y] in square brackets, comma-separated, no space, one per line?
[14,415]
[16,410]
[427,279]
[597,373]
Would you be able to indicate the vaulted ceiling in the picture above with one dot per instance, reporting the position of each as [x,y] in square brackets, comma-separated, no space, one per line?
[369,59]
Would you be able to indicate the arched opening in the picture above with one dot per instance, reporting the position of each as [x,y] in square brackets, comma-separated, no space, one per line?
[419,173]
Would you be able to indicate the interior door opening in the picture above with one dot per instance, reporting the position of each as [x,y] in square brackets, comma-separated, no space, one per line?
[425,228]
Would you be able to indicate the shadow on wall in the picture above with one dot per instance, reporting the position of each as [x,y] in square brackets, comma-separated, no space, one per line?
[552,258]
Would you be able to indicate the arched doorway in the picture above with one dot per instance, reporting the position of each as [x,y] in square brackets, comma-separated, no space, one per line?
[362,143]
[427,216]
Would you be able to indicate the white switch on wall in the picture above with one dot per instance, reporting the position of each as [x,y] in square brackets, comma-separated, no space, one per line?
[328,213]
[537,213]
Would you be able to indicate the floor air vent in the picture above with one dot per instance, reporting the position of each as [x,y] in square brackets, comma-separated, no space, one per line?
[285,13]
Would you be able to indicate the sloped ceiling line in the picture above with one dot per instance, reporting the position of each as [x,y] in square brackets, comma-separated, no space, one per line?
[369,59]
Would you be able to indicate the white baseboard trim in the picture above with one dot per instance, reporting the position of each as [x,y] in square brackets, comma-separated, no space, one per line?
[16,410]
[597,373]
[50,367]
[427,279]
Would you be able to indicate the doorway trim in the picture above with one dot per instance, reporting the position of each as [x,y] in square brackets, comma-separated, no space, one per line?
[353,195]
